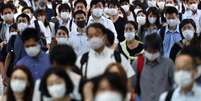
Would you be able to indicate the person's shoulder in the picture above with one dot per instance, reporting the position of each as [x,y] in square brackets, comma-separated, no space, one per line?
[166,60]
[163,96]
[23,60]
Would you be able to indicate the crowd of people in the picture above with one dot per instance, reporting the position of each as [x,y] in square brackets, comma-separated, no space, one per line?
[100,50]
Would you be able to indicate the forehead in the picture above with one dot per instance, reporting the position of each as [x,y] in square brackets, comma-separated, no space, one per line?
[183,61]
[21,18]
[79,4]
[27,10]
[19,73]
[79,15]
[7,10]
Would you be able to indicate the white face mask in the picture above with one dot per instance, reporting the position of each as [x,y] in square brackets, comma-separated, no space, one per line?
[97,12]
[151,3]
[172,22]
[188,34]
[113,11]
[57,90]
[8,17]
[129,35]
[64,1]
[193,7]
[22,26]
[65,15]
[62,40]
[183,78]
[151,56]
[125,7]
[152,20]
[108,96]
[141,20]
[198,71]
[33,51]
[161,4]
[96,42]
[106,10]
[18,85]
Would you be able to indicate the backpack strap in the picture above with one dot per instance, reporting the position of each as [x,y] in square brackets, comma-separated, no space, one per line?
[117,56]
[162,33]
[37,26]
[70,25]
[169,95]
[84,60]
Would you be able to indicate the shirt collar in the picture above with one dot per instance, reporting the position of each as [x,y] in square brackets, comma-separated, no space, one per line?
[105,52]
[155,63]
[168,30]
[193,92]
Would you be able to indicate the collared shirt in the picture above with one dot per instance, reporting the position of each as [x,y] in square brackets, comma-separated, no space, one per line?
[97,63]
[107,23]
[70,25]
[194,95]
[196,17]
[156,78]
[79,43]
[37,66]
[170,38]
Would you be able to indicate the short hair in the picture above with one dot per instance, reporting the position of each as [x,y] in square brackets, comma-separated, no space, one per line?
[171,10]
[10,6]
[63,55]
[31,9]
[113,2]
[61,73]
[28,93]
[64,6]
[135,25]
[110,37]
[80,1]
[30,33]
[64,29]
[187,21]
[79,12]
[94,2]
[23,16]
[153,41]
[97,26]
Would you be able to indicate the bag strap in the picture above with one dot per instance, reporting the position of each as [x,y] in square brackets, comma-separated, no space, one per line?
[70,25]
[37,26]
[169,95]
[84,60]
[117,56]
[162,33]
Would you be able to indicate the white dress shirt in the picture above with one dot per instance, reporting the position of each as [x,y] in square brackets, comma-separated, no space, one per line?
[97,63]
[107,23]
[194,95]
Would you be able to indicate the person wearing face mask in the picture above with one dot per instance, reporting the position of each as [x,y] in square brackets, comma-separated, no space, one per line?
[170,34]
[97,17]
[20,86]
[131,47]
[106,87]
[157,71]
[153,24]
[151,3]
[37,24]
[126,7]
[35,60]
[188,32]
[141,20]
[192,12]
[99,54]
[185,77]
[79,38]
[57,85]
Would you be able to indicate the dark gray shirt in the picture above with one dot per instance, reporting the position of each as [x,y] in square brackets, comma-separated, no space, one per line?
[156,78]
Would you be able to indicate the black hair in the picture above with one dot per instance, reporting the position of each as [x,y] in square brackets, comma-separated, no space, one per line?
[156,12]
[64,29]
[170,10]
[116,82]
[113,2]
[80,1]
[64,6]
[30,33]
[97,26]
[110,37]
[135,25]
[14,26]
[63,55]
[153,41]
[58,71]
[10,6]
[31,9]
[23,16]
[28,93]
[94,2]
[79,12]
[187,21]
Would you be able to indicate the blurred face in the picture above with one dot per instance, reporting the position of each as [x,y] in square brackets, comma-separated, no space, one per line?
[188,27]
[80,6]
[98,5]
[27,11]
[150,50]
[104,86]
[93,32]
[30,43]
[190,2]
[129,28]
[22,20]
[114,69]
[7,11]
[170,2]
[152,15]
[19,75]
[61,33]
[54,80]
[80,17]
[171,16]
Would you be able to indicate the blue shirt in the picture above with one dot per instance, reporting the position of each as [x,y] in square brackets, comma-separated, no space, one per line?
[170,38]
[37,66]
[18,49]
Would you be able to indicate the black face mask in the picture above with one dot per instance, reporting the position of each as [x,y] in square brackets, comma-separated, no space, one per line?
[81,24]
